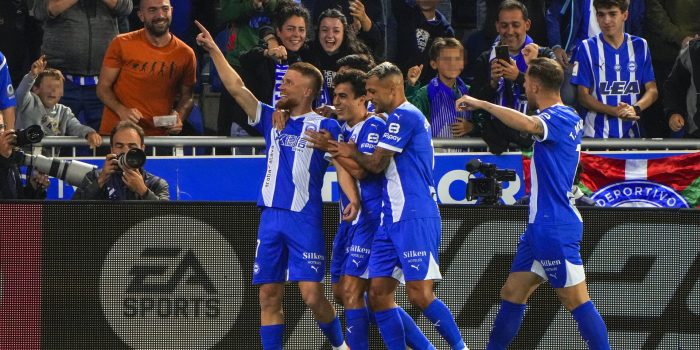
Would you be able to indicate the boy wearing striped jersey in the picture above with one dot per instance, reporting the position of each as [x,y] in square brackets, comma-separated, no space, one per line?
[614,76]
[290,245]
[406,245]
[549,248]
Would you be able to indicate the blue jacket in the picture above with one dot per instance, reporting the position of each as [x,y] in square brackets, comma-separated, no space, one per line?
[568,31]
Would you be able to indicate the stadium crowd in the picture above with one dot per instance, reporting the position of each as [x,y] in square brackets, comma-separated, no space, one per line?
[443,47]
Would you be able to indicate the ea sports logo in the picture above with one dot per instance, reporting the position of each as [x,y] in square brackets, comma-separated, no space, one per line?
[171,283]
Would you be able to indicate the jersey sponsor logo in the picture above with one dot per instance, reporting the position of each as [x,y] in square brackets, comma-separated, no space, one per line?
[392,137]
[394,128]
[167,288]
[358,249]
[414,253]
[639,193]
[313,256]
[618,87]
[547,263]
[295,142]
[373,137]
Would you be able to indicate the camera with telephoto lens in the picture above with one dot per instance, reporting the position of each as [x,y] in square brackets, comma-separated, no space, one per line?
[488,189]
[134,158]
[71,171]
[29,135]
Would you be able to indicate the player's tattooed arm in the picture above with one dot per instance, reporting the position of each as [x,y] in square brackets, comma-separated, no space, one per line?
[373,163]
[376,162]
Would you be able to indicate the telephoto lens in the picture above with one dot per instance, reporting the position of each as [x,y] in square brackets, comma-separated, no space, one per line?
[29,135]
[135,158]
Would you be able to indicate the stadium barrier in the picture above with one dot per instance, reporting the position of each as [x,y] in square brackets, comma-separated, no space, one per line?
[98,275]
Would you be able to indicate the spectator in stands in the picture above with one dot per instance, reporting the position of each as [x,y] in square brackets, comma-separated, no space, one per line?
[21,37]
[418,25]
[437,98]
[365,17]
[11,186]
[682,105]
[613,75]
[670,25]
[76,35]
[41,106]
[7,94]
[114,183]
[503,81]
[145,71]
[570,22]
[335,39]
[246,18]
[263,68]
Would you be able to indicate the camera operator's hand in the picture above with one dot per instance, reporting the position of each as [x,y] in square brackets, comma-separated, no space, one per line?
[7,141]
[111,165]
[134,181]
[39,181]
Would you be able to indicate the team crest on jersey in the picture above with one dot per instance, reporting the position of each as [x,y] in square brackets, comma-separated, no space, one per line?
[639,193]
[632,66]
[311,127]
[10,90]
[618,67]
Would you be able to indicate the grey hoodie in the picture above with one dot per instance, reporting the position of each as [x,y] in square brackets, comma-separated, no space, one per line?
[58,121]
[75,41]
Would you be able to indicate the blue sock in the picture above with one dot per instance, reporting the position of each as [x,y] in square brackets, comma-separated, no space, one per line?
[414,336]
[441,317]
[357,321]
[391,328]
[271,336]
[506,325]
[591,326]
[333,331]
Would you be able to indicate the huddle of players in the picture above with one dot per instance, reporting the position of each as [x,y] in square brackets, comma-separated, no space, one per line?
[391,225]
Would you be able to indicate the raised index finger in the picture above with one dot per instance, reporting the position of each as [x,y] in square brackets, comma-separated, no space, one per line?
[201,28]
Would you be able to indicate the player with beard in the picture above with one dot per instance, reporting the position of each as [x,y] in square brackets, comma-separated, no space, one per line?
[148,73]
[406,245]
[290,245]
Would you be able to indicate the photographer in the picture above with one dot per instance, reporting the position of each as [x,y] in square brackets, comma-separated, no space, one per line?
[11,186]
[114,182]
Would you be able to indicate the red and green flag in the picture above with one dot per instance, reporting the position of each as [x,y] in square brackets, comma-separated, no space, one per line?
[668,182]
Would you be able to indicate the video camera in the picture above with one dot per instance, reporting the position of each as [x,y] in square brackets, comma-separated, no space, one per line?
[488,189]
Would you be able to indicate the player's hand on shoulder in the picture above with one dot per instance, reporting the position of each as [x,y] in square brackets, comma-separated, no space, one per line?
[279,118]
[325,110]
[318,139]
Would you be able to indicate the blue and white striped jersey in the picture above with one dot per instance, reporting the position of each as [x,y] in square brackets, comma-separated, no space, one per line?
[7,95]
[294,174]
[409,188]
[613,76]
[365,135]
[553,166]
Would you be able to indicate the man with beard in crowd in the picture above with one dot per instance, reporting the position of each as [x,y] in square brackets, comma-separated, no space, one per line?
[144,72]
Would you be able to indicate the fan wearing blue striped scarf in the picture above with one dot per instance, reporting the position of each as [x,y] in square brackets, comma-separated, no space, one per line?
[437,99]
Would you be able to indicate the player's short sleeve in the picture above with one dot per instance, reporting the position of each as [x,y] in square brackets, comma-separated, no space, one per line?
[263,118]
[581,72]
[7,95]
[397,133]
[334,129]
[113,55]
[369,136]
[550,126]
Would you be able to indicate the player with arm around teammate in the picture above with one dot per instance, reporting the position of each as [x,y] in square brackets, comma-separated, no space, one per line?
[290,244]
[549,250]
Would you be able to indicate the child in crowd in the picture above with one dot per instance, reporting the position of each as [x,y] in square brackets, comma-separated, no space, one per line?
[437,99]
[40,105]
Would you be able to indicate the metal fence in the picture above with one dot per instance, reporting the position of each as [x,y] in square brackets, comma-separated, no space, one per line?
[220,145]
